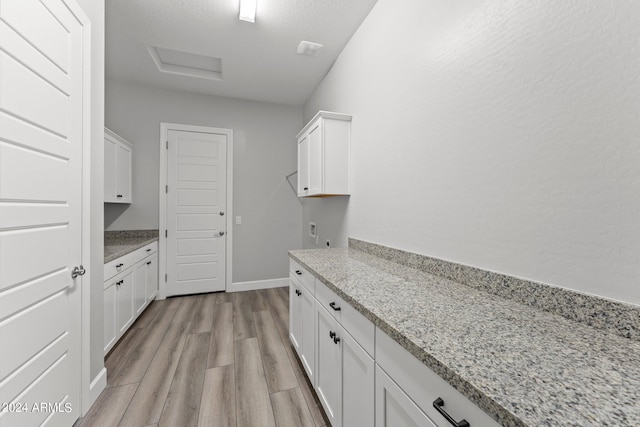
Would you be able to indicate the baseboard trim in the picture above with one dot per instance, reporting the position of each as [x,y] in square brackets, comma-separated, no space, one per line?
[98,384]
[258,284]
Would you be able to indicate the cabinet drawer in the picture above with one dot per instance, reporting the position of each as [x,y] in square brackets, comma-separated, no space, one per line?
[361,328]
[303,276]
[424,386]
[118,265]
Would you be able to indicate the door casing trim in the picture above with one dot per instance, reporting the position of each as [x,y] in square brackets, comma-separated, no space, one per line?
[162,205]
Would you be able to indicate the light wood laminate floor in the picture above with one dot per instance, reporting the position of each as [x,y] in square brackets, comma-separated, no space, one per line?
[208,360]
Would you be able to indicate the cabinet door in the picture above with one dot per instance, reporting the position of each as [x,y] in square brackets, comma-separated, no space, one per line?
[316,160]
[329,365]
[303,165]
[124,302]
[110,329]
[308,344]
[151,286]
[139,290]
[394,408]
[358,377]
[124,160]
[295,316]
[110,173]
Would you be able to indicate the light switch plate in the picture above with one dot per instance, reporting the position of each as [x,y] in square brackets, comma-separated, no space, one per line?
[238,220]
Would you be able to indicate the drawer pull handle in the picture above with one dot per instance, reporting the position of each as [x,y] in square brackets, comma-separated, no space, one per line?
[298,292]
[149,263]
[332,334]
[438,404]
[119,265]
[149,250]
[299,273]
[336,340]
[334,306]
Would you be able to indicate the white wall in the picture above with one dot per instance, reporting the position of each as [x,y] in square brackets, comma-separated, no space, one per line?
[498,134]
[264,153]
[95,10]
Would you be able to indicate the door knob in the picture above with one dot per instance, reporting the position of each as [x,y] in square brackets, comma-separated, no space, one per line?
[78,271]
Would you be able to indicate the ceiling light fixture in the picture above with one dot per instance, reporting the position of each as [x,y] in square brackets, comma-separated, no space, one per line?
[248,10]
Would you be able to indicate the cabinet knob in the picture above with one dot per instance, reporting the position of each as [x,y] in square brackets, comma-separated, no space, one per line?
[149,250]
[438,404]
[334,306]
[119,196]
[149,263]
[332,334]
[336,340]
[306,188]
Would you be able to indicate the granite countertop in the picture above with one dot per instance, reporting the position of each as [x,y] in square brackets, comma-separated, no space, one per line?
[119,243]
[521,365]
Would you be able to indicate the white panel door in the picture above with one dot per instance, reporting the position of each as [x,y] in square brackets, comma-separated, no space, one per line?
[303,165]
[316,160]
[196,208]
[110,172]
[123,175]
[41,137]
[329,365]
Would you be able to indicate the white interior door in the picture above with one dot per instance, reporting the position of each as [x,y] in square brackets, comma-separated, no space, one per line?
[41,128]
[196,209]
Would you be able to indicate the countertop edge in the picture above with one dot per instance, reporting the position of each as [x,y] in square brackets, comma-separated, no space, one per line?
[129,249]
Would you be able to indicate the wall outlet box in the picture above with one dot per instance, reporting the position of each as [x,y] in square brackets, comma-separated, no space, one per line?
[313,231]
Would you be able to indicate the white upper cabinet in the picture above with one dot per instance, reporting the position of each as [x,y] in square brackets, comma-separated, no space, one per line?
[323,156]
[118,160]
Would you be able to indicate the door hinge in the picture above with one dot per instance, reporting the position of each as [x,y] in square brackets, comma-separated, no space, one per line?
[166,189]
[167,144]
[165,277]
[166,233]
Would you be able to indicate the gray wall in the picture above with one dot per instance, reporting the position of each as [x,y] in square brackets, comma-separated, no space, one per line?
[95,10]
[502,135]
[264,153]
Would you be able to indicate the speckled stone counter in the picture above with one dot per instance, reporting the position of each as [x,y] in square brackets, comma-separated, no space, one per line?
[119,243]
[522,365]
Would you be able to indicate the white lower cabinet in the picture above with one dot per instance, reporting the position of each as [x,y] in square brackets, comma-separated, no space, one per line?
[110,331]
[151,277]
[140,291]
[328,365]
[421,386]
[394,408]
[302,325]
[131,283]
[344,374]
[358,377]
[361,376]
[125,314]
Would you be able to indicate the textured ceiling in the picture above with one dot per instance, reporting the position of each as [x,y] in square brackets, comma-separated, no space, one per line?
[259,61]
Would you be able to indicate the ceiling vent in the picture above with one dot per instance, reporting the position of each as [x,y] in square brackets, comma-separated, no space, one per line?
[186,63]
[308,48]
